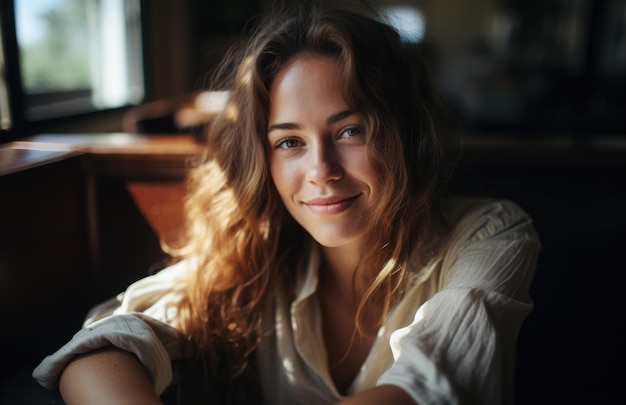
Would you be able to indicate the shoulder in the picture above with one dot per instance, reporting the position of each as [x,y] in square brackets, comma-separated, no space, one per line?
[473,219]
[488,244]
[156,296]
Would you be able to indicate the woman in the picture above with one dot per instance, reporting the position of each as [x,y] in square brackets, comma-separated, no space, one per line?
[321,264]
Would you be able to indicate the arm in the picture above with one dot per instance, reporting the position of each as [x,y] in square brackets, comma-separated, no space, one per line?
[382,394]
[461,344]
[108,376]
[137,322]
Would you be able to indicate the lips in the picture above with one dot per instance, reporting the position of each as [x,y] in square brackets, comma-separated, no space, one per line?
[330,205]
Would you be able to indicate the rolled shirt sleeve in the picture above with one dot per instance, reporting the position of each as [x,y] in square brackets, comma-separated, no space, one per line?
[141,320]
[151,341]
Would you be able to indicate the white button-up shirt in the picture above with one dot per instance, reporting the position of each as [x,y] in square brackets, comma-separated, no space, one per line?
[449,339]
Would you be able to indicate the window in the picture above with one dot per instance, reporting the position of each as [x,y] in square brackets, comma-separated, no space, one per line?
[407,20]
[5,113]
[72,56]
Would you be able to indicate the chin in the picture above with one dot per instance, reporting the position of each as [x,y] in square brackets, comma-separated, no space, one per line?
[332,241]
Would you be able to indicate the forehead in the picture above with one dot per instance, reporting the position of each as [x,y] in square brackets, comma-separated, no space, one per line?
[311,66]
[307,82]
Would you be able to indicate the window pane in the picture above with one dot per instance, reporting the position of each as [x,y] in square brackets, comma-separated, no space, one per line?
[5,112]
[79,55]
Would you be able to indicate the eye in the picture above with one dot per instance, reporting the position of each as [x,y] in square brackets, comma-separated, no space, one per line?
[352,132]
[288,143]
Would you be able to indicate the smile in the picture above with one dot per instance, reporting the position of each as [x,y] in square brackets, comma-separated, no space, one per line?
[330,206]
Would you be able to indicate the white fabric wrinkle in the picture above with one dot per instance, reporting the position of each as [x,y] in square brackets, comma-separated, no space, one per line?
[430,339]
[125,332]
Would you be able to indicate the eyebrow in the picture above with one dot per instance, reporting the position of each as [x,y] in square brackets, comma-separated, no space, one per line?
[330,120]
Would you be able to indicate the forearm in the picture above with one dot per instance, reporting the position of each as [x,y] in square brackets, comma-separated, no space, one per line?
[108,376]
[383,394]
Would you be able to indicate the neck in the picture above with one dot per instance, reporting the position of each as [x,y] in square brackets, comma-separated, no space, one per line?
[338,269]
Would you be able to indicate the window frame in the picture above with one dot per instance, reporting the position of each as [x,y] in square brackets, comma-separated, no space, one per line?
[20,123]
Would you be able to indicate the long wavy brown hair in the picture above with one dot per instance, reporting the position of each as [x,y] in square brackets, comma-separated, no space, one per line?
[241,240]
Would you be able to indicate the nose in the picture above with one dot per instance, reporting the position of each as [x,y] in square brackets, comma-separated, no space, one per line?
[323,164]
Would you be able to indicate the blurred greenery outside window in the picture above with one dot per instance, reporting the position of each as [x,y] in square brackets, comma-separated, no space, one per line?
[78,56]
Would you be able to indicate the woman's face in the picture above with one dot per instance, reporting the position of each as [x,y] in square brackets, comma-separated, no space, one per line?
[318,152]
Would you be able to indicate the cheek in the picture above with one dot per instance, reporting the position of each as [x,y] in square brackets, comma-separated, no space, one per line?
[364,169]
[282,178]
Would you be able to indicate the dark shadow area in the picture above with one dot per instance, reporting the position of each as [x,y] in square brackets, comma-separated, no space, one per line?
[47,278]
[570,347]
